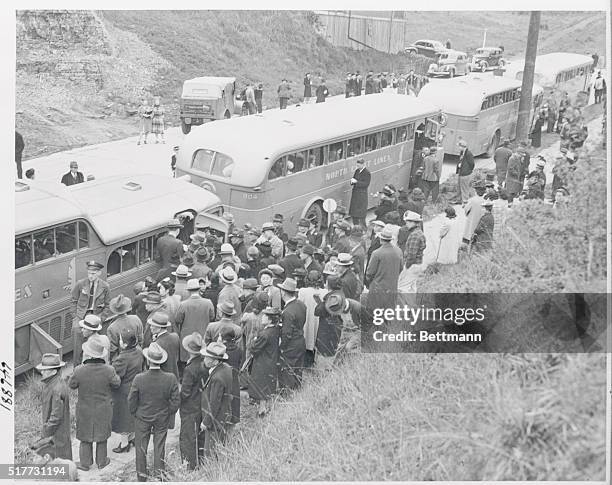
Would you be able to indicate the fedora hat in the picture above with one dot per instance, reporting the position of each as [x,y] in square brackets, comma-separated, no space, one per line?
[250,284]
[289,285]
[120,304]
[540,163]
[299,273]
[308,249]
[278,218]
[193,284]
[277,269]
[50,361]
[193,343]
[271,310]
[155,354]
[345,259]
[412,216]
[304,223]
[334,302]
[182,271]
[227,307]
[91,322]
[174,224]
[292,244]
[265,271]
[267,226]
[153,298]
[387,233]
[377,222]
[94,347]
[159,319]
[228,275]
[227,248]
[215,350]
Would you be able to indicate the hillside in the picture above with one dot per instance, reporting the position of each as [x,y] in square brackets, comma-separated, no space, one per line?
[80,74]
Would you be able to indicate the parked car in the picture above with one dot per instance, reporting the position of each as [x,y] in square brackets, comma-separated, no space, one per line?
[487,57]
[428,48]
[450,63]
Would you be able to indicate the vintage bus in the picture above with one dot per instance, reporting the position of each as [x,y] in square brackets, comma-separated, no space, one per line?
[289,161]
[561,71]
[114,220]
[482,110]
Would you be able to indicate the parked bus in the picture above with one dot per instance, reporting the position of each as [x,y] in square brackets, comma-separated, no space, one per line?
[290,160]
[558,71]
[480,110]
[114,220]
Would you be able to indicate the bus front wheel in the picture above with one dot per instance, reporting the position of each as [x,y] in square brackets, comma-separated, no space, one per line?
[493,144]
[315,211]
[185,127]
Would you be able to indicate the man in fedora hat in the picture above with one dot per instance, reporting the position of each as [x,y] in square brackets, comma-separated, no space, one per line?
[501,156]
[377,227]
[161,330]
[237,241]
[92,325]
[465,167]
[307,258]
[341,240]
[182,274]
[193,315]
[473,211]
[413,253]
[359,197]
[230,292]
[95,381]
[268,233]
[278,220]
[349,311]
[73,177]
[383,272]
[169,249]
[190,409]
[121,306]
[226,311]
[91,295]
[291,261]
[153,401]
[351,286]
[201,269]
[293,345]
[55,405]
[153,303]
[216,397]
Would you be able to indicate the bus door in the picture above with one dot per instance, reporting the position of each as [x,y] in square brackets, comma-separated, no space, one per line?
[216,225]
[425,136]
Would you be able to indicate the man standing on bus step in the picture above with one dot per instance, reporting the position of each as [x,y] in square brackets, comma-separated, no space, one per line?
[169,250]
[307,88]
[89,295]
[284,93]
[465,167]
[431,175]
[359,197]
[501,157]
[73,177]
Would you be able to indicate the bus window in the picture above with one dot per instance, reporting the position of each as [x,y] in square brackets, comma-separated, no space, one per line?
[128,256]
[202,160]
[145,250]
[113,265]
[277,169]
[336,151]
[44,245]
[386,138]
[401,134]
[23,251]
[83,235]
[354,147]
[371,142]
[410,130]
[65,238]
[223,166]
[298,160]
[316,157]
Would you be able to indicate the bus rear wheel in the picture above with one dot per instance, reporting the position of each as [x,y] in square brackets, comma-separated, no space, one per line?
[493,144]
[315,211]
[185,127]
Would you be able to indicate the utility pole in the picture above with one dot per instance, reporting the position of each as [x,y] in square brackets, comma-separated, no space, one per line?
[523,122]
[484,39]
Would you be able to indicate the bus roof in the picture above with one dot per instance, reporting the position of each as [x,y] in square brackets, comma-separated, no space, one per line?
[549,65]
[111,205]
[211,81]
[464,96]
[254,142]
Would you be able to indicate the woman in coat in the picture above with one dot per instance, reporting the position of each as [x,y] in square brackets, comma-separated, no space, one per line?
[266,352]
[128,363]
[450,238]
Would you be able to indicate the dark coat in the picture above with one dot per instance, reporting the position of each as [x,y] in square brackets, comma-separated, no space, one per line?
[382,275]
[264,370]
[483,234]
[329,331]
[193,315]
[293,345]
[385,207]
[154,396]
[290,263]
[56,415]
[351,286]
[169,251]
[322,93]
[68,179]
[191,390]
[465,166]
[217,398]
[95,382]
[118,325]
[222,327]
[307,88]
[128,364]
[231,293]
[501,157]
[315,238]
[359,197]
[171,344]
[536,133]
[514,181]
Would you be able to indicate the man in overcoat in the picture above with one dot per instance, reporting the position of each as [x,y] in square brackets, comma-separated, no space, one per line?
[89,295]
[121,306]
[473,211]
[169,250]
[161,330]
[514,180]
[291,261]
[293,345]
[307,88]
[226,311]
[191,395]
[95,381]
[359,197]
[483,233]
[383,271]
[55,405]
[465,167]
[154,398]
[501,157]
[193,315]
[216,397]
[351,285]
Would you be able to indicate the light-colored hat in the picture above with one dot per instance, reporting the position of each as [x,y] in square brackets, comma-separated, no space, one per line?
[155,354]
[267,226]
[182,271]
[289,285]
[228,275]
[540,163]
[378,222]
[193,284]
[487,203]
[50,361]
[216,350]
[227,248]
[94,347]
[227,307]
[193,343]
[412,216]
[159,319]
[91,322]
[387,233]
[345,259]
